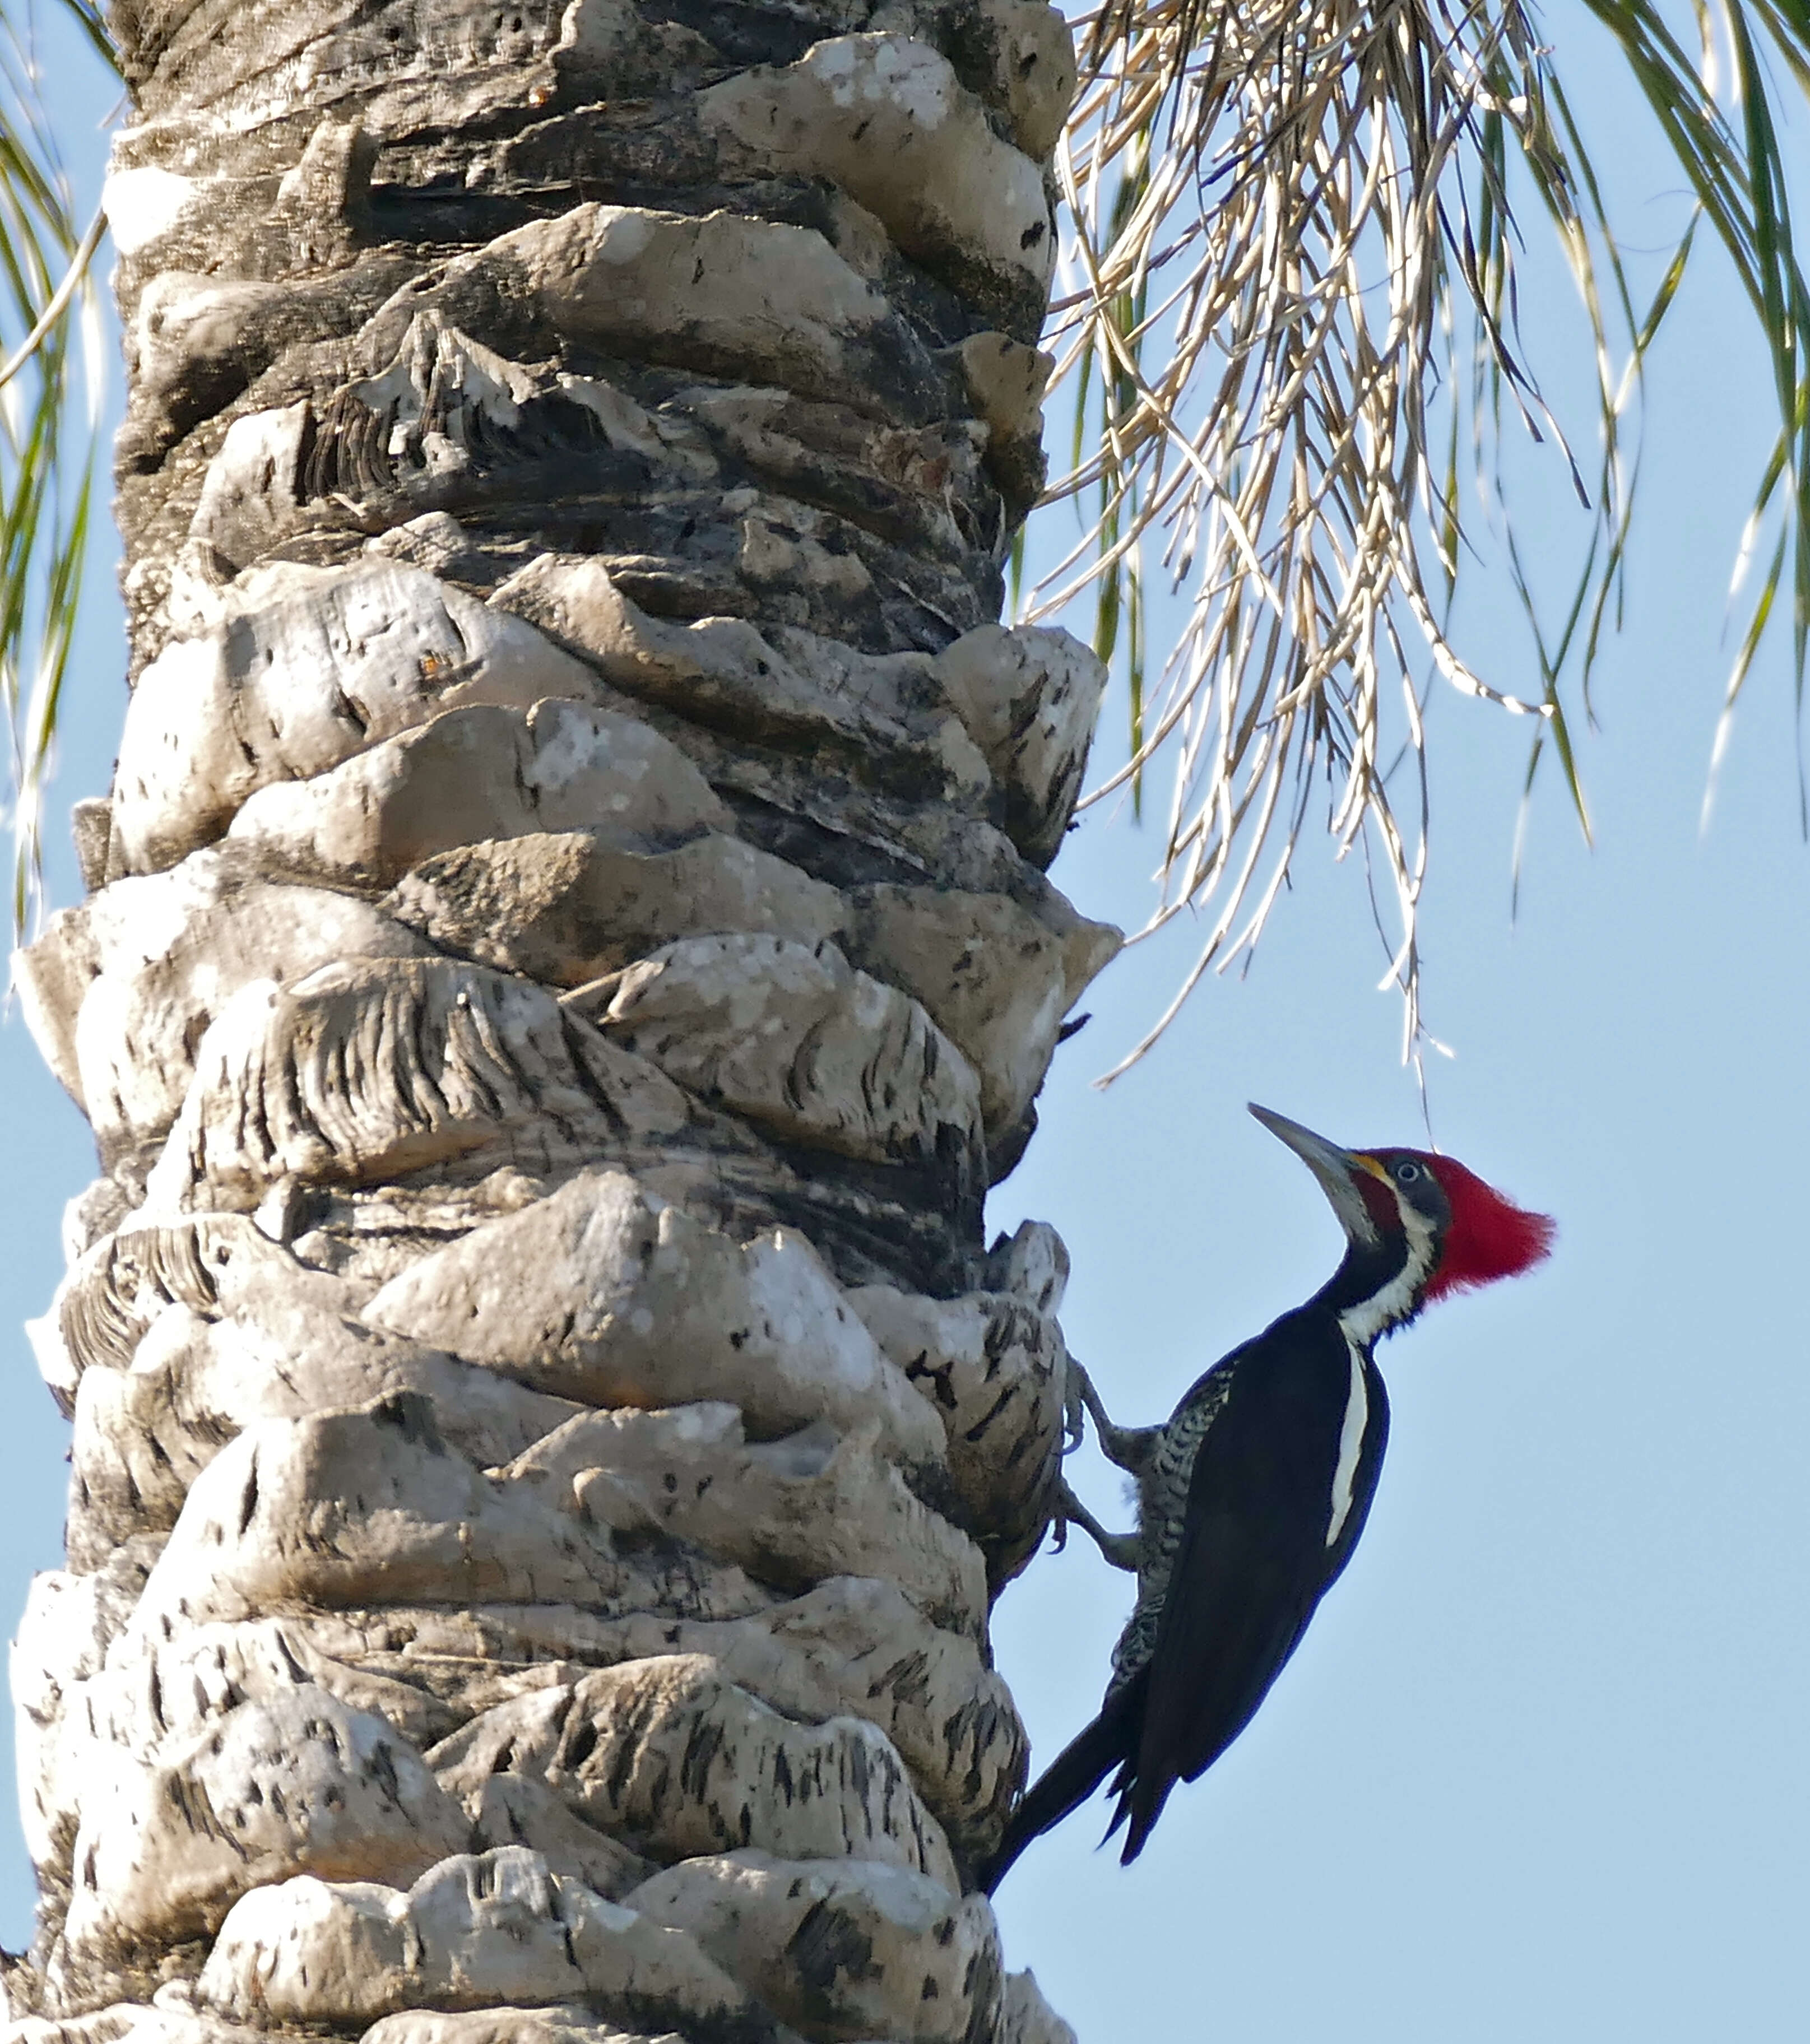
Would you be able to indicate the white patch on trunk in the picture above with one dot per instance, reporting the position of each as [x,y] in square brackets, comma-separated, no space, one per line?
[1351,1444]
[145,204]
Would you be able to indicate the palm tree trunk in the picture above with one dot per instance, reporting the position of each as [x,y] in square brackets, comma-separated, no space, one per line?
[569,951]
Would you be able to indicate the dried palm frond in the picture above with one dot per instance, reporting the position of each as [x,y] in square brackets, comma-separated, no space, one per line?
[49,338]
[1291,253]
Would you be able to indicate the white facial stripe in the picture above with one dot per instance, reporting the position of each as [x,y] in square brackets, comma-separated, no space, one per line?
[1351,1441]
[1364,1322]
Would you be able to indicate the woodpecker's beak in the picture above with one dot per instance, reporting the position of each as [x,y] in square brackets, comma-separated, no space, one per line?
[1337,1170]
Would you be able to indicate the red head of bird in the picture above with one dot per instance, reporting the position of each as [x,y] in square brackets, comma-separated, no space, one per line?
[1417,1226]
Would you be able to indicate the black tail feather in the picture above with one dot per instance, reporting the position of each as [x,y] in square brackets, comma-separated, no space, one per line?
[1071,1778]
[1142,1801]
[1139,1800]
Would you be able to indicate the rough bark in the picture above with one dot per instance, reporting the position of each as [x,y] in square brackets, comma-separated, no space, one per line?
[567,951]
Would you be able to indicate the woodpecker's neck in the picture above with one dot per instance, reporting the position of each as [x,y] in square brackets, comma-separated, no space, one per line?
[1381,1285]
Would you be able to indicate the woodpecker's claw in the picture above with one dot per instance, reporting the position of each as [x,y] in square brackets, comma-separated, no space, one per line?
[1082,1401]
[1120,1549]
[1074,1405]
[1129,1448]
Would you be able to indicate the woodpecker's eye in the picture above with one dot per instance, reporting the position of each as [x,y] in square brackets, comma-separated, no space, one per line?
[1407,1171]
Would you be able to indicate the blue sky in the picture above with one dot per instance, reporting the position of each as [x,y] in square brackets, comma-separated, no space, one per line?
[1539,1769]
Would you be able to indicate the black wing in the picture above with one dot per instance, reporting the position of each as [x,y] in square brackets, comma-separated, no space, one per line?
[1254,1561]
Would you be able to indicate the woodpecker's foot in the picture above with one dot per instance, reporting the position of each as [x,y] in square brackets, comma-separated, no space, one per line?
[1128,1448]
[1120,1549]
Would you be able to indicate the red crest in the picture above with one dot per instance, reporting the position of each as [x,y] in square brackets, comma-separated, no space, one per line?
[1490,1237]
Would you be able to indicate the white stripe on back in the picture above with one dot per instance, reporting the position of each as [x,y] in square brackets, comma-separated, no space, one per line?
[1351,1444]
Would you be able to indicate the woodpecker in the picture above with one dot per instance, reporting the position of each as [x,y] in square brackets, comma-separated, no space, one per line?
[1251,1498]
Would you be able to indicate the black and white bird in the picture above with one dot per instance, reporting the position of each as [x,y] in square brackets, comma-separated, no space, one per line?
[1252,1497]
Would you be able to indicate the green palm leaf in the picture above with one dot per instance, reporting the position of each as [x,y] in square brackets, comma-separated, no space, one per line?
[50,375]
